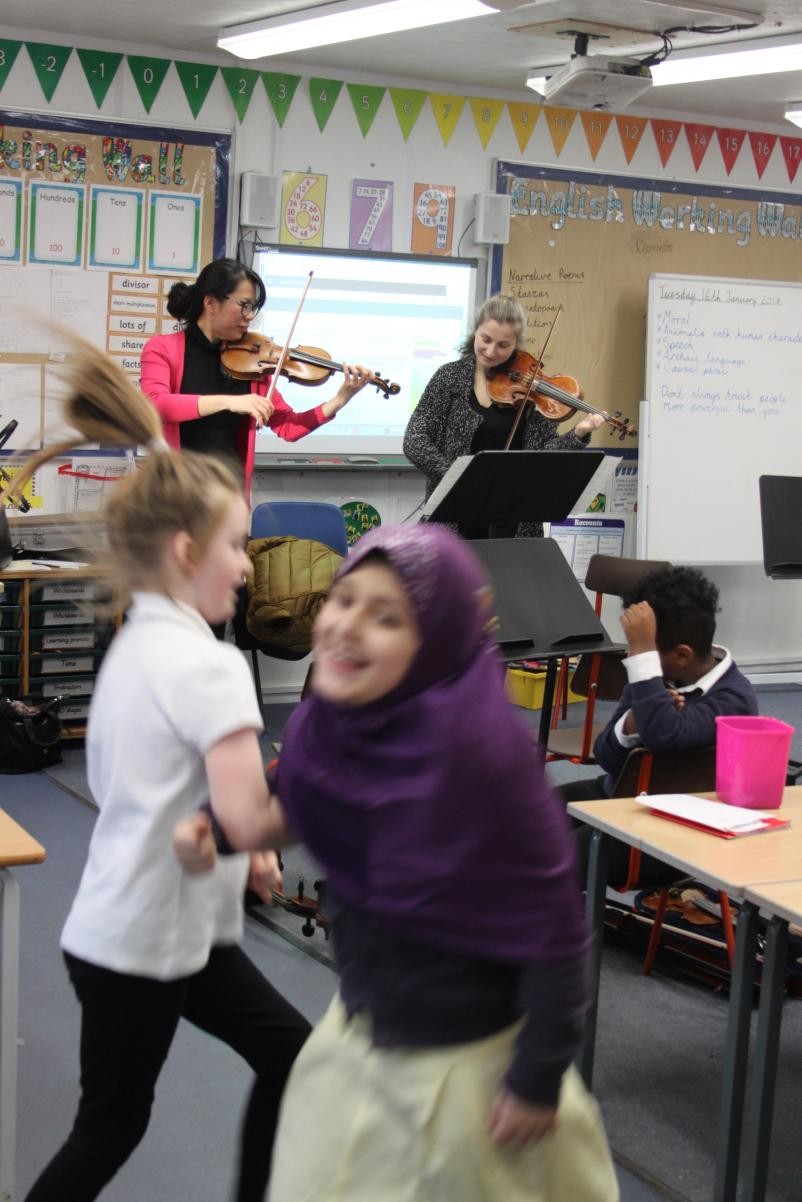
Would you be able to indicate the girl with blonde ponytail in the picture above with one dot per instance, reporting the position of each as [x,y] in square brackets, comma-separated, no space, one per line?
[173,726]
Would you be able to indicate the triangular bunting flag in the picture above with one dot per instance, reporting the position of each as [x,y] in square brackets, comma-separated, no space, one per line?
[323,94]
[485,116]
[630,131]
[524,118]
[699,138]
[730,141]
[792,153]
[196,79]
[240,82]
[48,63]
[560,122]
[762,146]
[595,126]
[100,67]
[280,91]
[666,134]
[366,99]
[148,74]
[407,103]
[447,110]
[8,56]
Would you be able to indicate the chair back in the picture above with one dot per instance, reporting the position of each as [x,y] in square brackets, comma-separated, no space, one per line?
[690,771]
[319,520]
[611,675]
[615,575]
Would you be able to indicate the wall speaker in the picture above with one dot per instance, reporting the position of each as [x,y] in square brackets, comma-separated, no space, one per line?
[259,198]
[492,214]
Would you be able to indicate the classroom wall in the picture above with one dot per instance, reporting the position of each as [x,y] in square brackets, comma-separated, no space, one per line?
[760,618]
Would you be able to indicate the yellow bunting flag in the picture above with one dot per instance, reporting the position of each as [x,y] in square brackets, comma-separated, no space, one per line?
[447,111]
[485,116]
[560,122]
[524,118]
[595,126]
[630,131]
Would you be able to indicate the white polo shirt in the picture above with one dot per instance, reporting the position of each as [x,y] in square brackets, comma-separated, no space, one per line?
[167,691]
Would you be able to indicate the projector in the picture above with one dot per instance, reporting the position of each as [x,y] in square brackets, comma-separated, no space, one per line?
[597,83]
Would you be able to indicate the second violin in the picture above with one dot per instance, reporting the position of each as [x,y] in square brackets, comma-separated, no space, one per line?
[256,355]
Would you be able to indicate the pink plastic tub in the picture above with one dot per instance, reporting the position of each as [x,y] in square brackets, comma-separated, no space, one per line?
[752,761]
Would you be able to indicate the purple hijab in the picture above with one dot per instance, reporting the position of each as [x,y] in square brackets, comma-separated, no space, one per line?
[429,809]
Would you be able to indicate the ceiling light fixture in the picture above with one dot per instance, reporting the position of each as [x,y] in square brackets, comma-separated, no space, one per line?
[727,63]
[794,112]
[346,22]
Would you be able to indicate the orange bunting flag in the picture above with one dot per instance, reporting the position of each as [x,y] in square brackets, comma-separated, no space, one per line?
[730,142]
[560,122]
[596,126]
[666,135]
[699,138]
[524,118]
[630,131]
[762,146]
[792,153]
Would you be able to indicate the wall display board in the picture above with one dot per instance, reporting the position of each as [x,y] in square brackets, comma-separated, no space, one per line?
[724,364]
[402,316]
[588,243]
[97,220]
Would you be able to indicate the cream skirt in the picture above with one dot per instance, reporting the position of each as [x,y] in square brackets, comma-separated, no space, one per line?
[365,1124]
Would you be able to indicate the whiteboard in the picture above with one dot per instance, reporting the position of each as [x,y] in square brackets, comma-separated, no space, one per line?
[723,406]
[403,316]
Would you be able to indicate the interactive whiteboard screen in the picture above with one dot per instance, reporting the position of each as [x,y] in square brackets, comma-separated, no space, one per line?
[401,316]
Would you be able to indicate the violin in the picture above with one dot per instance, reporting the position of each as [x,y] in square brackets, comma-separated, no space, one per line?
[256,355]
[557,397]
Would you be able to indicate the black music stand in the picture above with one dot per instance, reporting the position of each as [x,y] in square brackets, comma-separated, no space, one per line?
[780,514]
[543,611]
[509,487]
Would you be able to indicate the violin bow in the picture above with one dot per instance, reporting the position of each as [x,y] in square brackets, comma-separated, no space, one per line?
[285,350]
[516,423]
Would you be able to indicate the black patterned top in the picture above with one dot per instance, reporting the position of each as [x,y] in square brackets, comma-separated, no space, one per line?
[444,424]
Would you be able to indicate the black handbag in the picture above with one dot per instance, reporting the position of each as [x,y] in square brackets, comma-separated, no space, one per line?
[30,733]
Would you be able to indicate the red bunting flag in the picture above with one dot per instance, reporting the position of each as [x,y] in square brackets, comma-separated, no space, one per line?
[730,141]
[666,135]
[792,153]
[699,138]
[762,146]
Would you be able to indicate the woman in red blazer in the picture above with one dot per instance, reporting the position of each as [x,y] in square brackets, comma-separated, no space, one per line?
[202,408]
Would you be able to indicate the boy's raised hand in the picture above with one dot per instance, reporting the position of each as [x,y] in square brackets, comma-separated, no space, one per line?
[640,627]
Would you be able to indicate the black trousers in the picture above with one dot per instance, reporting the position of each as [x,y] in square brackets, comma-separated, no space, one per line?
[653,873]
[127,1027]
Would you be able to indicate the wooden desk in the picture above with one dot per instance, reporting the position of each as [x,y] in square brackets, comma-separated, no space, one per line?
[16,847]
[728,864]
[784,902]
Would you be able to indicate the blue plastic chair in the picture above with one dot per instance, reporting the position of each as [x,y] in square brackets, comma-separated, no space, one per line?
[319,520]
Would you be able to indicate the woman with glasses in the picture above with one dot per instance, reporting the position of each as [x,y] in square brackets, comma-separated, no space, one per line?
[200,406]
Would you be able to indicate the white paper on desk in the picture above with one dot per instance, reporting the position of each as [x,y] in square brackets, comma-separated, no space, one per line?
[716,814]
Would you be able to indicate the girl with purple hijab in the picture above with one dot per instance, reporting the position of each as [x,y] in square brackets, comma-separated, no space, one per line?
[442,1068]
[442,1071]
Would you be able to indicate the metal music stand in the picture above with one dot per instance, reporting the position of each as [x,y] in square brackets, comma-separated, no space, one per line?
[515,486]
[780,514]
[543,611]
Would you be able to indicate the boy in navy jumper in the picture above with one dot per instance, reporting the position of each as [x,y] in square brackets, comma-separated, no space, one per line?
[679,681]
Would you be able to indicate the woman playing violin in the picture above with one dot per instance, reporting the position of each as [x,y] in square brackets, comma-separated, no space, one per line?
[457,416]
[201,406]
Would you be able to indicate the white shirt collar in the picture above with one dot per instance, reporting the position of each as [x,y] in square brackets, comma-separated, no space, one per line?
[705,683]
[159,605]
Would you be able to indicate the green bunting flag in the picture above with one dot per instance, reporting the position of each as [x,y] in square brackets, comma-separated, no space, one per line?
[48,63]
[366,100]
[280,91]
[323,94]
[8,56]
[240,82]
[100,67]
[407,103]
[148,76]
[196,79]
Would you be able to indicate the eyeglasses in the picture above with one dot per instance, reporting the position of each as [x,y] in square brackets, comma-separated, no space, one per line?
[249,308]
